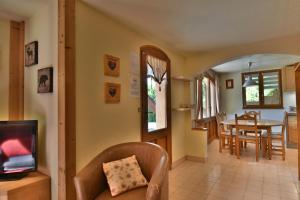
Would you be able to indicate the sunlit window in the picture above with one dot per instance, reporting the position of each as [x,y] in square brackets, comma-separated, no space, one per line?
[267,93]
[206,98]
[157,96]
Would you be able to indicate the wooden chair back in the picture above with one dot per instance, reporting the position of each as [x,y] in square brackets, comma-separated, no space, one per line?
[254,113]
[220,118]
[223,115]
[284,122]
[246,123]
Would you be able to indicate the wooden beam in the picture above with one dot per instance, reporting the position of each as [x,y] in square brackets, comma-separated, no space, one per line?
[16,71]
[297,77]
[66,100]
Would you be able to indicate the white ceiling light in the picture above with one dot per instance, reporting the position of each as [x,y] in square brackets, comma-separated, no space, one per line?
[249,82]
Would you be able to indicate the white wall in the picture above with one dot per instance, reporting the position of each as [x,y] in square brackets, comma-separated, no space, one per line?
[4,68]
[101,125]
[232,102]
[42,26]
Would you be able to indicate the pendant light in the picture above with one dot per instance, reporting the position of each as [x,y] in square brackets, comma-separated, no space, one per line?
[249,82]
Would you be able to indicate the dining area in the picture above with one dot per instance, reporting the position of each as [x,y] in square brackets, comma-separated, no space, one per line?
[266,135]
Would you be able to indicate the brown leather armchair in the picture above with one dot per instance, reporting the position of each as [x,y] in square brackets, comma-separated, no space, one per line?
[91,182]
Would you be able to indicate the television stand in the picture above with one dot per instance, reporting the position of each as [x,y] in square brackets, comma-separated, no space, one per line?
[34,186]
[12,177]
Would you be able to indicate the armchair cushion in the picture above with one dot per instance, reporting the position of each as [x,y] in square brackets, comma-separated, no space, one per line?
[123,175]
[135,194]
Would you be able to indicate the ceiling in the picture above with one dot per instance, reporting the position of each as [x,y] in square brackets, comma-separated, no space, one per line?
[19,9]
[260,61]
[203,25]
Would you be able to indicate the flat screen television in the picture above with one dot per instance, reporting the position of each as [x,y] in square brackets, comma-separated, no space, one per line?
[18,148]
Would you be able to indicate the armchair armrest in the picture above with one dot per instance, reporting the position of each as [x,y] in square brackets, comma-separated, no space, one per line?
[90,181]
[159,181]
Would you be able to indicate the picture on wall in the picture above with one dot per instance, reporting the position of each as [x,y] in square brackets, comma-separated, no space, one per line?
[229,84]
[112,92]
[45,80]
[111,66]
[31,54]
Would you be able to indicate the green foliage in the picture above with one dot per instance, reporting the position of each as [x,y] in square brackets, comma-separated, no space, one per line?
[271,92]
[151,117]
[151,93]
[252,94]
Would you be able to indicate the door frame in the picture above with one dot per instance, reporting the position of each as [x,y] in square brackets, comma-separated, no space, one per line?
[66,100]
[16,71]
[145,136]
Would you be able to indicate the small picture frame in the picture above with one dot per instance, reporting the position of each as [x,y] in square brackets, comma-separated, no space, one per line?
[45,80]
[111,65]
[229,84]
[31,54]
[112,93]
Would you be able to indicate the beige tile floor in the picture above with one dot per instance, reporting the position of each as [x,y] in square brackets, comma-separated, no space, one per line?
[223,176]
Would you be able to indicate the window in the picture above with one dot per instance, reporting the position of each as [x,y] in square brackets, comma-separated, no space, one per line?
[157,95]
[205,97]
[268,91]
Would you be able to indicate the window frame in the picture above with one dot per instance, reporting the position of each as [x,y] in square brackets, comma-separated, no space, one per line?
[261,90]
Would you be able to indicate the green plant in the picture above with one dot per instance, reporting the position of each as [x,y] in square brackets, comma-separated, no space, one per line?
[151,93]
[151,117]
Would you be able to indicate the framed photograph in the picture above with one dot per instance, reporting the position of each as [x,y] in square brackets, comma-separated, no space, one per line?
[111,66]
[31,54]
[229,84]
[112,93]
[45,80]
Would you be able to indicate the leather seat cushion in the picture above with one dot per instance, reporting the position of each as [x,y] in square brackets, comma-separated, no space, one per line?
[135,194]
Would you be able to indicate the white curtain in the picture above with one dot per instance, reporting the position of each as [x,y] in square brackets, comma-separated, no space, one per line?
[214,75]
[198,96]
[158,68]
[198,91]
[217,90]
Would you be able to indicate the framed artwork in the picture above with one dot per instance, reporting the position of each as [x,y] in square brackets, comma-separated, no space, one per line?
[31,54]
[111,66]
[112,93]
[45,80]
[229,84]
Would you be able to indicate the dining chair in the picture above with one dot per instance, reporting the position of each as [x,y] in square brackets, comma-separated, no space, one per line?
[256,114]
[278,147]
[223,115]
[223,133]
[246,123]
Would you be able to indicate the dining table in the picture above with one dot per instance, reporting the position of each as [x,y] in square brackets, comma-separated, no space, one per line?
[262,124]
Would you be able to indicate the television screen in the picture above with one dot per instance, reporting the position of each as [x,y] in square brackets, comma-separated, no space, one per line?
[18,147]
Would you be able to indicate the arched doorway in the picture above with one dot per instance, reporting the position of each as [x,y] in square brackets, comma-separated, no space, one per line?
[156,98]
[288,61]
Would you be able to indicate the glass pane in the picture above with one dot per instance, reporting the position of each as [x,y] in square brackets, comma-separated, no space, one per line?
[271,88]
[252,92]
[205,100]
[157,109]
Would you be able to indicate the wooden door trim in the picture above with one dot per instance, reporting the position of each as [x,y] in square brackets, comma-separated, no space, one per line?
[158,53]
[297,79]
[66,100]
[16,71]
